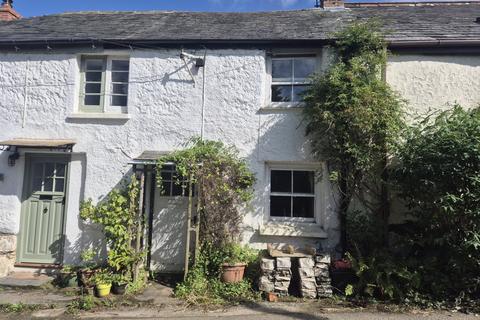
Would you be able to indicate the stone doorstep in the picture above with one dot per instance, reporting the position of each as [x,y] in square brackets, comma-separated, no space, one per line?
[25,279]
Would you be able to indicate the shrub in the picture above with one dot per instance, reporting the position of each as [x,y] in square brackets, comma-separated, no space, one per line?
[203,285]
[223,184]
[439,179]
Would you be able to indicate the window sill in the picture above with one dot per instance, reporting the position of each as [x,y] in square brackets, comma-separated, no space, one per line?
[112,116]
[293,229]
[284,106]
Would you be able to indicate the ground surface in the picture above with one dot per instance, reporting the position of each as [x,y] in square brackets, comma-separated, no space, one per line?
[156,302]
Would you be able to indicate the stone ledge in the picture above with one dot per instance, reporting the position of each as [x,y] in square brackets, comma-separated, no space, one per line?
[293,230]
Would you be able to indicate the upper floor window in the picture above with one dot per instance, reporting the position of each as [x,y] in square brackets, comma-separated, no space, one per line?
[290,77]
[104,85]
[292,194]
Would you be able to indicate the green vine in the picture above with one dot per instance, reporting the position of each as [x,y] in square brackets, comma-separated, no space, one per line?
[118,216]
[223,184]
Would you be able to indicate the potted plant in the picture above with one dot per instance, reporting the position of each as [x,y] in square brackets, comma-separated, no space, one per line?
[67,277]
[119,283]
[87,270]
[235,260]
[103,283]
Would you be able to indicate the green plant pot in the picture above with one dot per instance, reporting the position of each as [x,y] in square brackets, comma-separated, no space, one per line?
[103,289]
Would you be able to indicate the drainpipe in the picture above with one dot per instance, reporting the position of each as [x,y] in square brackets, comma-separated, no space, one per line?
[202,131]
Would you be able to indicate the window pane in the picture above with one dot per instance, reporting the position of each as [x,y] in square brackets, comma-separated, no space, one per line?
[119,76]
[38,170]
[168,167]
[281,93]
[177,190]
[280,206]
[303,68]
[94,64]
[92,100]
[119,101]
[93,76]
[120,65]
[282,70]
[166,175]
[166,188]
[303,207]
[120,88]
[60,171]
[48,186]
[297,93]
[93,87]
[49,169]
[303,181]
[281,181]
[59,184]
[37,184]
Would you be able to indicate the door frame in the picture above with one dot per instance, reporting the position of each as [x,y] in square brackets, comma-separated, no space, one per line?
[29,156]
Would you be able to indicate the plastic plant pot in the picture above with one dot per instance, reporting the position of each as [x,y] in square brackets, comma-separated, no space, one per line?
[103,289]
[119,288]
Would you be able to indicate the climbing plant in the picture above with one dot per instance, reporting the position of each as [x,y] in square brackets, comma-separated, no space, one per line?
[223,185]
[353,118]
[118,217]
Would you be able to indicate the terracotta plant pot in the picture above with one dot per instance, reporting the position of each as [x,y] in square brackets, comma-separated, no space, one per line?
[233,273]
[103,289]
[272,297]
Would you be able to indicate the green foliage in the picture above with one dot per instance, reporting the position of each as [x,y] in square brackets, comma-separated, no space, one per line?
[234,253]
[353,117]
[118,217]
[203,285]
[102,277]
[223,185]
[439,179]
[381,276]
[18,307]
[85,303]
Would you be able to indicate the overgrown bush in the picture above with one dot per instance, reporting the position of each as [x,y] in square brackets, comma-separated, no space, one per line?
[203,285]
[223,184]
[353,119]
[439,179]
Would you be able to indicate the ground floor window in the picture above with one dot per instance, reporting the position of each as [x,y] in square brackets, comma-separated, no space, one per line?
[292,193]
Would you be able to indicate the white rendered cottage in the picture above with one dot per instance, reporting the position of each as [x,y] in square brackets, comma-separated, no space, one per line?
[85,98]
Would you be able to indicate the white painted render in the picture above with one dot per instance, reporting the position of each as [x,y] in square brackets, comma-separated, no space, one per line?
[164,111]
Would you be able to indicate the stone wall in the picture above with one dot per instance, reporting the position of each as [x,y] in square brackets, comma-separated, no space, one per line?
[308,277]
[8,245]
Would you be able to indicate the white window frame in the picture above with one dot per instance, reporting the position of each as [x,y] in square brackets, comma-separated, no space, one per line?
[319,193]
[106,94]
[287,54]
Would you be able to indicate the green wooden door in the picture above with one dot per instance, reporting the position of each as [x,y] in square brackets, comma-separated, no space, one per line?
[41,223]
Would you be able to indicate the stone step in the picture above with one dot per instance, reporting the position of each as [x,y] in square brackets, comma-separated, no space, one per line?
[25,279]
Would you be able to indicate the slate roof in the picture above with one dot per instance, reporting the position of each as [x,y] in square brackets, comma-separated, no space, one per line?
[402,23]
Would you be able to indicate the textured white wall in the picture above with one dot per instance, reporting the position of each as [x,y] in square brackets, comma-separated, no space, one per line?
[165,111]
[434,82]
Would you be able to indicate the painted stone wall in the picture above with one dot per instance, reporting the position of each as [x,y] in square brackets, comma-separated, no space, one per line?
[430,83]
[164,112]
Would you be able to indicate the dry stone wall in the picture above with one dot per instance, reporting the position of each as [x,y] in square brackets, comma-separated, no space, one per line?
[309,277]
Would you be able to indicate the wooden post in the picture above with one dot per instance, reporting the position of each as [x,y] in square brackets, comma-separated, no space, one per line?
[138,245]
[189,226]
